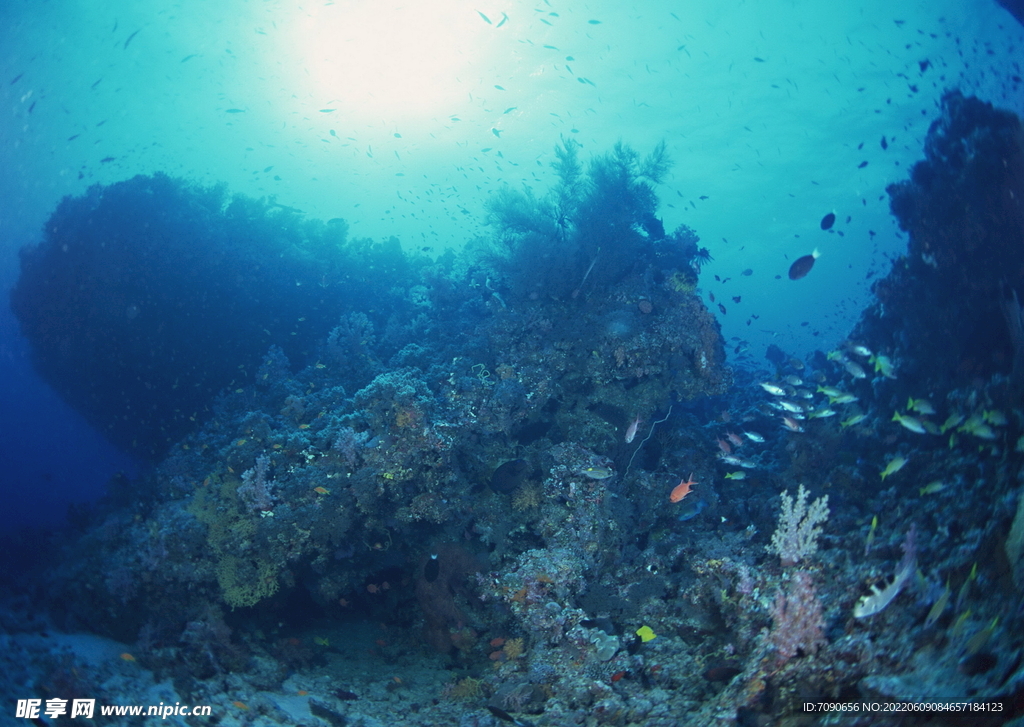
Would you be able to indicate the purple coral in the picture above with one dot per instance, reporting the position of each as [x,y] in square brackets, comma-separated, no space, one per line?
[798,619]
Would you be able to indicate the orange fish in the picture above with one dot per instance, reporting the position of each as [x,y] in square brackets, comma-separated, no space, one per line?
[322,490]
[302,692]
[682,489]
[127,657]
[241,705]
[372,588]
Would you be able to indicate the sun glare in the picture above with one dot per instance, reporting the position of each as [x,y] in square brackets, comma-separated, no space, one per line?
[391,59]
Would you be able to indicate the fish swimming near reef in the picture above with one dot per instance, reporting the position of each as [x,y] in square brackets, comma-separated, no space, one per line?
[802,265]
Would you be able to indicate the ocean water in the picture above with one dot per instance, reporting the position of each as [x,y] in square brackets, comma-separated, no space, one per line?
[353,324]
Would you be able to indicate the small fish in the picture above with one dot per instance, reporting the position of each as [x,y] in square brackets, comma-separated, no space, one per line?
[321,641]
[241,705]
[830,391]
[828,220]
[859,349]
[107,160]
[597,473]
[754,437]
[802,265]
[871,535]
[631,429]
[938,607]
[883,366]
[844,398]
[855,419]
[909,422]
[895,465]
[321,490]
[952,420]
[646,633]
[486,19]
[735,439]
[189,57]
[502,714]
[497,132]
[504,19]
[740,475]
[127,657]
[791,424]
[921,406]
[793,380]
[822,413]
[748,271]
[855,370]
[130,38]
[773,389]
[995,417]
[234,111]
[682,489]
[978,641]
[932,487]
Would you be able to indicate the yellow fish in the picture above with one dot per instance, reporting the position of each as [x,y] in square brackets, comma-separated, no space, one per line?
[894,466]
[646,633]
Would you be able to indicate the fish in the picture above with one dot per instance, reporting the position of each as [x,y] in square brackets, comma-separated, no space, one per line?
[859,349]
[321,490]
[321,641]
[486,19]
[504,19]
[921,406]
[754,437]
[16,79]
[772,389]
[646,633]
[130,38]
[748,271]
[791,424]
[855,370]
[189,57]
[234,111]
[909,422]
[127,657]
[855,419]
[597,473]
[803,265]
[844,398]
[883,365]
[828,220]
[106,160]
[682,489]
[631,429]
[952,420]
[740,475]
[822,413]
[830,391]
[895,465]
[503,715]
[939,607]
[497,132]
[931,488]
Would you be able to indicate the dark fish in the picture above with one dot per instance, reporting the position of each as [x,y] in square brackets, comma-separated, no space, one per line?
[737,298]
[95,84]
[190,56]
[885,144]
[432,569]
[803,265]
[721,308]
[828,220]
[130,38]
[105,160]
[502,714]
[32,107]
[73,137]
[748,271]
[16,78]
[862,165]
[759,60]
[711,296]
[508,476]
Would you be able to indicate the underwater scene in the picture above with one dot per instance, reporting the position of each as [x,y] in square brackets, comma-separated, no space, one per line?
[503,363]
